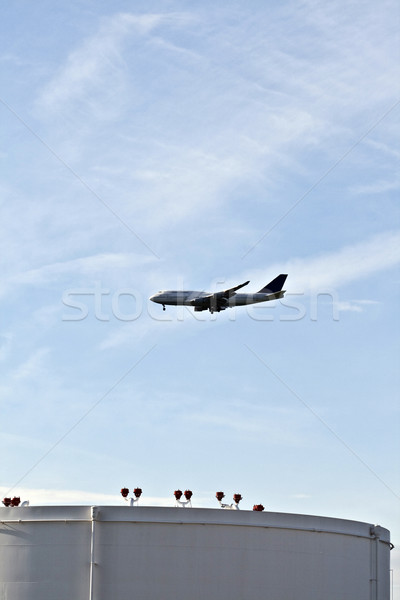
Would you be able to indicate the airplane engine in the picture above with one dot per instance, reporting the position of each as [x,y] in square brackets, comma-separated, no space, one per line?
[223,303]
[212,304]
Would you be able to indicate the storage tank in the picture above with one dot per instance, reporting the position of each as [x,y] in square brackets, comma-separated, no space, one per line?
[151,553]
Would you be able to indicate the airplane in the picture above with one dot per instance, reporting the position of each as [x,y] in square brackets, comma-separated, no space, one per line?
[221,300]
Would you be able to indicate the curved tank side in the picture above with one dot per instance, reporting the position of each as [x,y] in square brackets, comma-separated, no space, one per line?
[169,553]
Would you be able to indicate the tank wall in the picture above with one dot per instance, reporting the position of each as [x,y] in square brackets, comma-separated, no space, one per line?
[40,560]
[168,553]
[211,561]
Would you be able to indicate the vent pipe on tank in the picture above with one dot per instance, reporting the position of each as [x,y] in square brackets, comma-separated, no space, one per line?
[182,503]
[137,492]
[234,506]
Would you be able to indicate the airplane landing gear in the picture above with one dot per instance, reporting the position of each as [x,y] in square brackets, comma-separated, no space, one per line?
[163,306]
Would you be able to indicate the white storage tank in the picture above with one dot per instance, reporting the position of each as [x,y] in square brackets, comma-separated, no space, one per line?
[148,553]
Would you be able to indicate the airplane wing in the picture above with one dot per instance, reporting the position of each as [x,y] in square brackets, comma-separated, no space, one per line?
[230,292]
[217,299]
[227,293]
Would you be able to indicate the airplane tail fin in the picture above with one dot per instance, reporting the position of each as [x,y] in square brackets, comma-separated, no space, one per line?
[274,286]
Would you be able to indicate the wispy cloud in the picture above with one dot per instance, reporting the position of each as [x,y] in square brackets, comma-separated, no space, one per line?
[338,268]
[354,305]
[390,151]
[27,373]
[217,122]
[95,266]
[301,496]
[378,187]
[97,61]
[33,366]
[96,68]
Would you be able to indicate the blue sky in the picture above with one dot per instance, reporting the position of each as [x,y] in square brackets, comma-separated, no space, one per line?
[161,145]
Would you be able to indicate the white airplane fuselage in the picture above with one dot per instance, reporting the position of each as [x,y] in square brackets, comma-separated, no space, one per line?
[186,298]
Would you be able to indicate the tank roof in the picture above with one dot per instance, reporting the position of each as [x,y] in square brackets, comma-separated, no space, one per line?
[209,516]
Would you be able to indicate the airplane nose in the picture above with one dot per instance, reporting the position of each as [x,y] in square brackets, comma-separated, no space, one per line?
[154,298]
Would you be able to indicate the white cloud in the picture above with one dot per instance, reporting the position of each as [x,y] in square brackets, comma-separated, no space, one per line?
[97,66]
[389,151]
[96,62]
[31,367]
[301,496]
[97,265]
[197,122]
[378,187]
[335,269]
[23,376]
[354,305]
